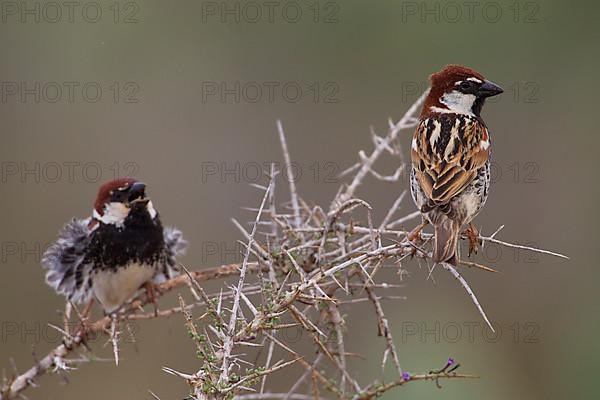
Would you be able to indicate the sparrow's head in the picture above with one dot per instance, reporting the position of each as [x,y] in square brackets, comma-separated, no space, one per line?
[117,198]
[458,90]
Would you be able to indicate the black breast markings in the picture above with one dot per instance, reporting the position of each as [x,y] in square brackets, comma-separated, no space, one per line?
[113,247]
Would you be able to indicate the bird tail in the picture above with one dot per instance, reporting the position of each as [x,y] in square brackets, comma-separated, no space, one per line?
[446,239]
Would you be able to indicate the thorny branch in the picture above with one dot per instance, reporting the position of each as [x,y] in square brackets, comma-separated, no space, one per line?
[304,272]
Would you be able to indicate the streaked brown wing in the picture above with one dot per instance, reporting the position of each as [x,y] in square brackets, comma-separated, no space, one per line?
[447,154]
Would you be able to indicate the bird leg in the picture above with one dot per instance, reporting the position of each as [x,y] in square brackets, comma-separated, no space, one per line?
[87,310]
[84,316]
[473,236]
[151,293]
[414,236]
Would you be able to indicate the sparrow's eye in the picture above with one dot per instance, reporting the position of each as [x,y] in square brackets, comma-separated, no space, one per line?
[465,85]
[120,194]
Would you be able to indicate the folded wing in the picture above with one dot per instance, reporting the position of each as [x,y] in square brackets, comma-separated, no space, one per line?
[175,246]
[67,272]
[447,155]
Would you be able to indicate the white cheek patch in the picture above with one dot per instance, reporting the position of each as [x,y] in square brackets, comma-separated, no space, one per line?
[440,110]
[459,103]
[151,210]
[114,213]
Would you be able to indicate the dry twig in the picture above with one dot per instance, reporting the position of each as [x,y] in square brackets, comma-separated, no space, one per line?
[296,275]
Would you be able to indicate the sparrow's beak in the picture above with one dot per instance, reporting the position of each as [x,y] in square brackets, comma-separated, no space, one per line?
[489,89]
[137,193]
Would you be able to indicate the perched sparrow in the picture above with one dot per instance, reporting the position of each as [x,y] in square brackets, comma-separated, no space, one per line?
[121,248]
[450,154]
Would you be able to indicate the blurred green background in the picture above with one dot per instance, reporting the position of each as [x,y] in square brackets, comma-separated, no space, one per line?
[356,63]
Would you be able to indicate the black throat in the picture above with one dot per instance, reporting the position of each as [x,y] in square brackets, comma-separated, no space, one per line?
[139,240]
[477,106]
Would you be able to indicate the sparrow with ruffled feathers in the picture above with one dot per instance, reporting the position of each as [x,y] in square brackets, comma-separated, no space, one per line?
[121,248]
[450,154]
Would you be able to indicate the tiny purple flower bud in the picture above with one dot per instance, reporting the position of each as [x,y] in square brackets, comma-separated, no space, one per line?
[405,376]
[450,361]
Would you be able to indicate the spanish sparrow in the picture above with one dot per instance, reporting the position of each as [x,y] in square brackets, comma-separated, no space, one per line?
[450,154]
[121,248]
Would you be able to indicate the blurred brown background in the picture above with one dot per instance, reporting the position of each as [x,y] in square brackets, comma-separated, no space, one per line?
[158,64]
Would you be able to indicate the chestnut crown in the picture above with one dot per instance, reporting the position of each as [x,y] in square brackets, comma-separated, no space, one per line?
[123,190]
